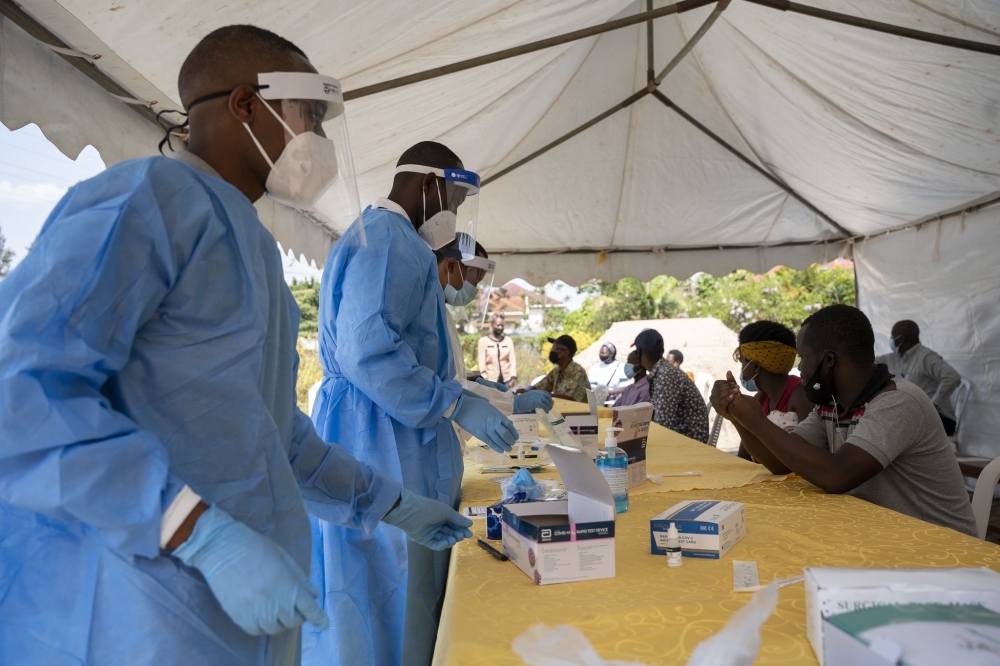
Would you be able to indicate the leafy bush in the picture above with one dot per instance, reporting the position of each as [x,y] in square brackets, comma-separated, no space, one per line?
[306,294]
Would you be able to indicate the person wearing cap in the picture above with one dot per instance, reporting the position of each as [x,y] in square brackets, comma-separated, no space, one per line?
[608,371]
[568,380]
[677,402]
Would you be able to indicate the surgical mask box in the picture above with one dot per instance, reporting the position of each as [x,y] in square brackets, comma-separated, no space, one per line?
[563,541]
[526,426]
[914,634]
[634,422]
[707,528]
[584,428]
[832,592]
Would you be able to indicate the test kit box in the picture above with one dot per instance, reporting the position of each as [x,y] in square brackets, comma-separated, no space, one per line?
[634,422]
[707,528]
[562,541]
[832,592]
[913,635]
[526,426]
[584,428]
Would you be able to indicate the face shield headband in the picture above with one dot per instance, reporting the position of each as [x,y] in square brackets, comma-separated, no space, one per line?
[459,209]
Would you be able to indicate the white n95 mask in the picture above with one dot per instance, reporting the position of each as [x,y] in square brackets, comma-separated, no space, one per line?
[306,168]
[440,229]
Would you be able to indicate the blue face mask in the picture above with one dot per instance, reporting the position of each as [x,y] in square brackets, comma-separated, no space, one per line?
[460,297]
[893,346]
[629,370]
[748,384]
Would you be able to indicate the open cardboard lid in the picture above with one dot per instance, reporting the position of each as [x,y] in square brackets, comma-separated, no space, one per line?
[586,488]
[906,580]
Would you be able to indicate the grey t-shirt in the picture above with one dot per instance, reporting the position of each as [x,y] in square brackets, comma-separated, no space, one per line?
[902,430]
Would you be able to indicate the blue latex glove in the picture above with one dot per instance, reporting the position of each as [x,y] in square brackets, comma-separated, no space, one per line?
[257,583]
[483,420]
[429,522]
[494,385]
[527,402]
[473,394]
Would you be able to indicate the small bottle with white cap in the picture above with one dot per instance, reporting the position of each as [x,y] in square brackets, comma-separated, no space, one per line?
[613,463]
[673,547]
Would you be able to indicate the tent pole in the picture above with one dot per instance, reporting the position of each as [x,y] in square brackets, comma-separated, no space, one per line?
[677,8]
[777,181]
[846,19]
[649,44]
[719,8]
[625,103]
[23,20]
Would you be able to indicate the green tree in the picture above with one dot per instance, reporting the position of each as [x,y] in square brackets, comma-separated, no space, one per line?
[306,294]
[6,257]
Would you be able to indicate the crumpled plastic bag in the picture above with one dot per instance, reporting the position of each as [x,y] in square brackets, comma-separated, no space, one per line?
[521,487]
[601,393]
[736,644]
[561,646]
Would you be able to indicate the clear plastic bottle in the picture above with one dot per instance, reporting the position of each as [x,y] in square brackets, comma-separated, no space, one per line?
[673,547]
[613,463]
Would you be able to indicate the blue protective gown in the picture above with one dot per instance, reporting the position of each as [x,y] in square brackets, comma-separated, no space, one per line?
[388,382]
[147,341]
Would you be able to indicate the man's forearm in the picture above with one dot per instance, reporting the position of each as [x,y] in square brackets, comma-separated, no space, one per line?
[758,450]
[817,465]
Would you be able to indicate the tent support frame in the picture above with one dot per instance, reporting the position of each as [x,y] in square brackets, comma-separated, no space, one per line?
[877,26]
[25,21]
[774,179]
[676,8]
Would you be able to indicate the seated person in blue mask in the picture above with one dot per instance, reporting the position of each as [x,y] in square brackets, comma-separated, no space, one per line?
[871,435]
[638,390]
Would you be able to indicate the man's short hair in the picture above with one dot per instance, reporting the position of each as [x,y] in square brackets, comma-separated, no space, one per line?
[231,56]
[498,316]
[432,154]
[678,356]
[908,327]
[843,329]
[767,331]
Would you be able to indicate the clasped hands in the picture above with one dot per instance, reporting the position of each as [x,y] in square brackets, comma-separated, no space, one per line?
[731,403]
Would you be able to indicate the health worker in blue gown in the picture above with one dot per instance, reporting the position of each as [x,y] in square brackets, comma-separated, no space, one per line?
[153,462]
[389,396]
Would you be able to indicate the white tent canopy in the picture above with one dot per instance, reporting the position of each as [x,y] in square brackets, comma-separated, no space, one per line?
[835,133]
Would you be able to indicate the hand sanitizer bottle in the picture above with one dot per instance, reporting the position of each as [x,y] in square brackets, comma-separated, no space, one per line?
[673,547]
[613,463]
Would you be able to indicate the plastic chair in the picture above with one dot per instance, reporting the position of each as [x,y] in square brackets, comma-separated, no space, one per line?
[982,498]
[961,397]
[713,437]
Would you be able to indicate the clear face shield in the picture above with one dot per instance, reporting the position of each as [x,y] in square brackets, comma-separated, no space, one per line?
[481,273]
[458,199]
[315,172]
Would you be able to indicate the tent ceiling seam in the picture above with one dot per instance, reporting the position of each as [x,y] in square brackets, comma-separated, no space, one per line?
[504,54]
[555,101]
[691,43]
[628,152]
[955,19]
[774,179]
[978,204]
[668,248]
[36,29]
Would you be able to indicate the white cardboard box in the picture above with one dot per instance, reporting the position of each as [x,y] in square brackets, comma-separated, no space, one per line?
[634,422]
[707,528]
[565,540]
[834,591]
[912,634]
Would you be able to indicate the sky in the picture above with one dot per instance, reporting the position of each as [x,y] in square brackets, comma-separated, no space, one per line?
[34,175]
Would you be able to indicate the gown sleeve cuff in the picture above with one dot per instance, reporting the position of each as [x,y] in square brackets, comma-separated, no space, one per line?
[175,514]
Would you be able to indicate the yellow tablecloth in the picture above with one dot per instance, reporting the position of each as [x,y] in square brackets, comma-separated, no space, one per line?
[658,615]
[666,452]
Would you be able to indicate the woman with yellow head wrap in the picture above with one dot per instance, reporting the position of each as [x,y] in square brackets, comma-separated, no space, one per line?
[766,355]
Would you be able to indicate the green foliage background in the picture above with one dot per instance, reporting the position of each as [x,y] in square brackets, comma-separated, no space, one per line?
[785,295]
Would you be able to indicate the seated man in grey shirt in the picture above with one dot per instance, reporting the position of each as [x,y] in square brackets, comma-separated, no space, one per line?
[871,436]
[915,363]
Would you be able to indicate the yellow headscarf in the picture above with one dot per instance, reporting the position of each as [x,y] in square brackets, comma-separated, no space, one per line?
[772,356]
